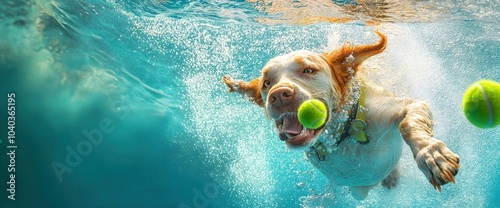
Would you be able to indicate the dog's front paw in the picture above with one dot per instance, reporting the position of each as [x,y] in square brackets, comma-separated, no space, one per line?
[230,82]
[438,163]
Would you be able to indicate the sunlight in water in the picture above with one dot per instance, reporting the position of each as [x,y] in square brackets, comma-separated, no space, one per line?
[310,11]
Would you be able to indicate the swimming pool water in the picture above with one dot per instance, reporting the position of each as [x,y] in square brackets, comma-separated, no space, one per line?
[120,103]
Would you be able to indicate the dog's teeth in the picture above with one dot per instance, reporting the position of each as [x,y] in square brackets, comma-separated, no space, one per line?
[287,114]
[303,131]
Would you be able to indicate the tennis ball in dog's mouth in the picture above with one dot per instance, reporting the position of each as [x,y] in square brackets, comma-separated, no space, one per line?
[312,113]
[481,104]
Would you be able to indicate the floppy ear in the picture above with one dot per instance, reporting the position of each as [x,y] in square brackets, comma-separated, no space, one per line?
[345,61]
[250,89]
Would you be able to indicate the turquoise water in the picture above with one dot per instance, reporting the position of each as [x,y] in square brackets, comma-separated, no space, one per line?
[120,103]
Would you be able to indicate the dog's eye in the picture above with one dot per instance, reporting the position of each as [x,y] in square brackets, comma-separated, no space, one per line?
[267,83]
[308,71]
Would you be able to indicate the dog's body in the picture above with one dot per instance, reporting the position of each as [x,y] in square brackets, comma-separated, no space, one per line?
[289,80]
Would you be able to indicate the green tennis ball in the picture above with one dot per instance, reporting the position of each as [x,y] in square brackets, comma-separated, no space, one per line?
[481,104]
[312,114]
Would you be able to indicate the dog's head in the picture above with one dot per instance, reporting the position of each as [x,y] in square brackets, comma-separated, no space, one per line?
[291,79]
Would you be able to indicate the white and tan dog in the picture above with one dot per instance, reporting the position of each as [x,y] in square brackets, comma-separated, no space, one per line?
[361,142]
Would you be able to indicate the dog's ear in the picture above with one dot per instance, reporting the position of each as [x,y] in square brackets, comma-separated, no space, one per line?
[248,89]
[345,61]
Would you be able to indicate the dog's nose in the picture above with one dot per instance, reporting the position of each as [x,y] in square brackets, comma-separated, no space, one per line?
[281,96]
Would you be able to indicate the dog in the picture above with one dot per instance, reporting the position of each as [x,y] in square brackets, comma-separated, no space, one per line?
[360,144]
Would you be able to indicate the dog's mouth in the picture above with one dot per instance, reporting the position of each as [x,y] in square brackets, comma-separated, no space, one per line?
[294,133]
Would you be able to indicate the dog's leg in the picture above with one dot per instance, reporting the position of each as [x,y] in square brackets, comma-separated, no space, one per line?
[359,192]
[250,89]
[392,179]
[434,159]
